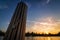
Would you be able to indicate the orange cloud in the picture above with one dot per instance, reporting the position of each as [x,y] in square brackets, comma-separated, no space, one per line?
[46,25]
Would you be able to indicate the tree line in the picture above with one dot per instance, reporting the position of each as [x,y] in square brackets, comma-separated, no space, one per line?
[36,34]
[33,34]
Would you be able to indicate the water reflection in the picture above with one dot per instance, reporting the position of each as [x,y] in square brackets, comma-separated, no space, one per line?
[39,38]
[48,38]
[1,37]
[42,38]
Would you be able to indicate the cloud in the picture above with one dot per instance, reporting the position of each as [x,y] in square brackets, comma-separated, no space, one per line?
[48,24]
[3,6]
[47,1]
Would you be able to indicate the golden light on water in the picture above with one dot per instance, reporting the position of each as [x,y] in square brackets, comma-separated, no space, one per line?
[49,38]
[46,25]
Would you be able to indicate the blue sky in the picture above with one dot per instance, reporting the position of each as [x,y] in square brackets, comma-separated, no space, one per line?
[36,9]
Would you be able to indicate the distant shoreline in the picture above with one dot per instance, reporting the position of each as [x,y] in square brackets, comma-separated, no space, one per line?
[42,36]
[32,34]
[35,34]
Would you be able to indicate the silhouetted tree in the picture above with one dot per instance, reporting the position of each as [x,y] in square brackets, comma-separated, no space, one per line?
[2,33]
[35,34]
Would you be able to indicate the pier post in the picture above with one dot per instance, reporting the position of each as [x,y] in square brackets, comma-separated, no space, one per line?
[16,28]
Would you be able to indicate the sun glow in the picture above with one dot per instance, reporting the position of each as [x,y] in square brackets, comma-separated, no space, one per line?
[46,32]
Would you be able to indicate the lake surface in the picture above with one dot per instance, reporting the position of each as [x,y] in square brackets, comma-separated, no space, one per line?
[1,37]
[42,38]
[38,38]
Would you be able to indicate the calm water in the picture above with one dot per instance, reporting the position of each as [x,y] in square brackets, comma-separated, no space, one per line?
[42,38]
[39,38]
[1,37]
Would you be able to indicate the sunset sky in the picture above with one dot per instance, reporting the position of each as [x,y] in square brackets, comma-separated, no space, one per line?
[43,16]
